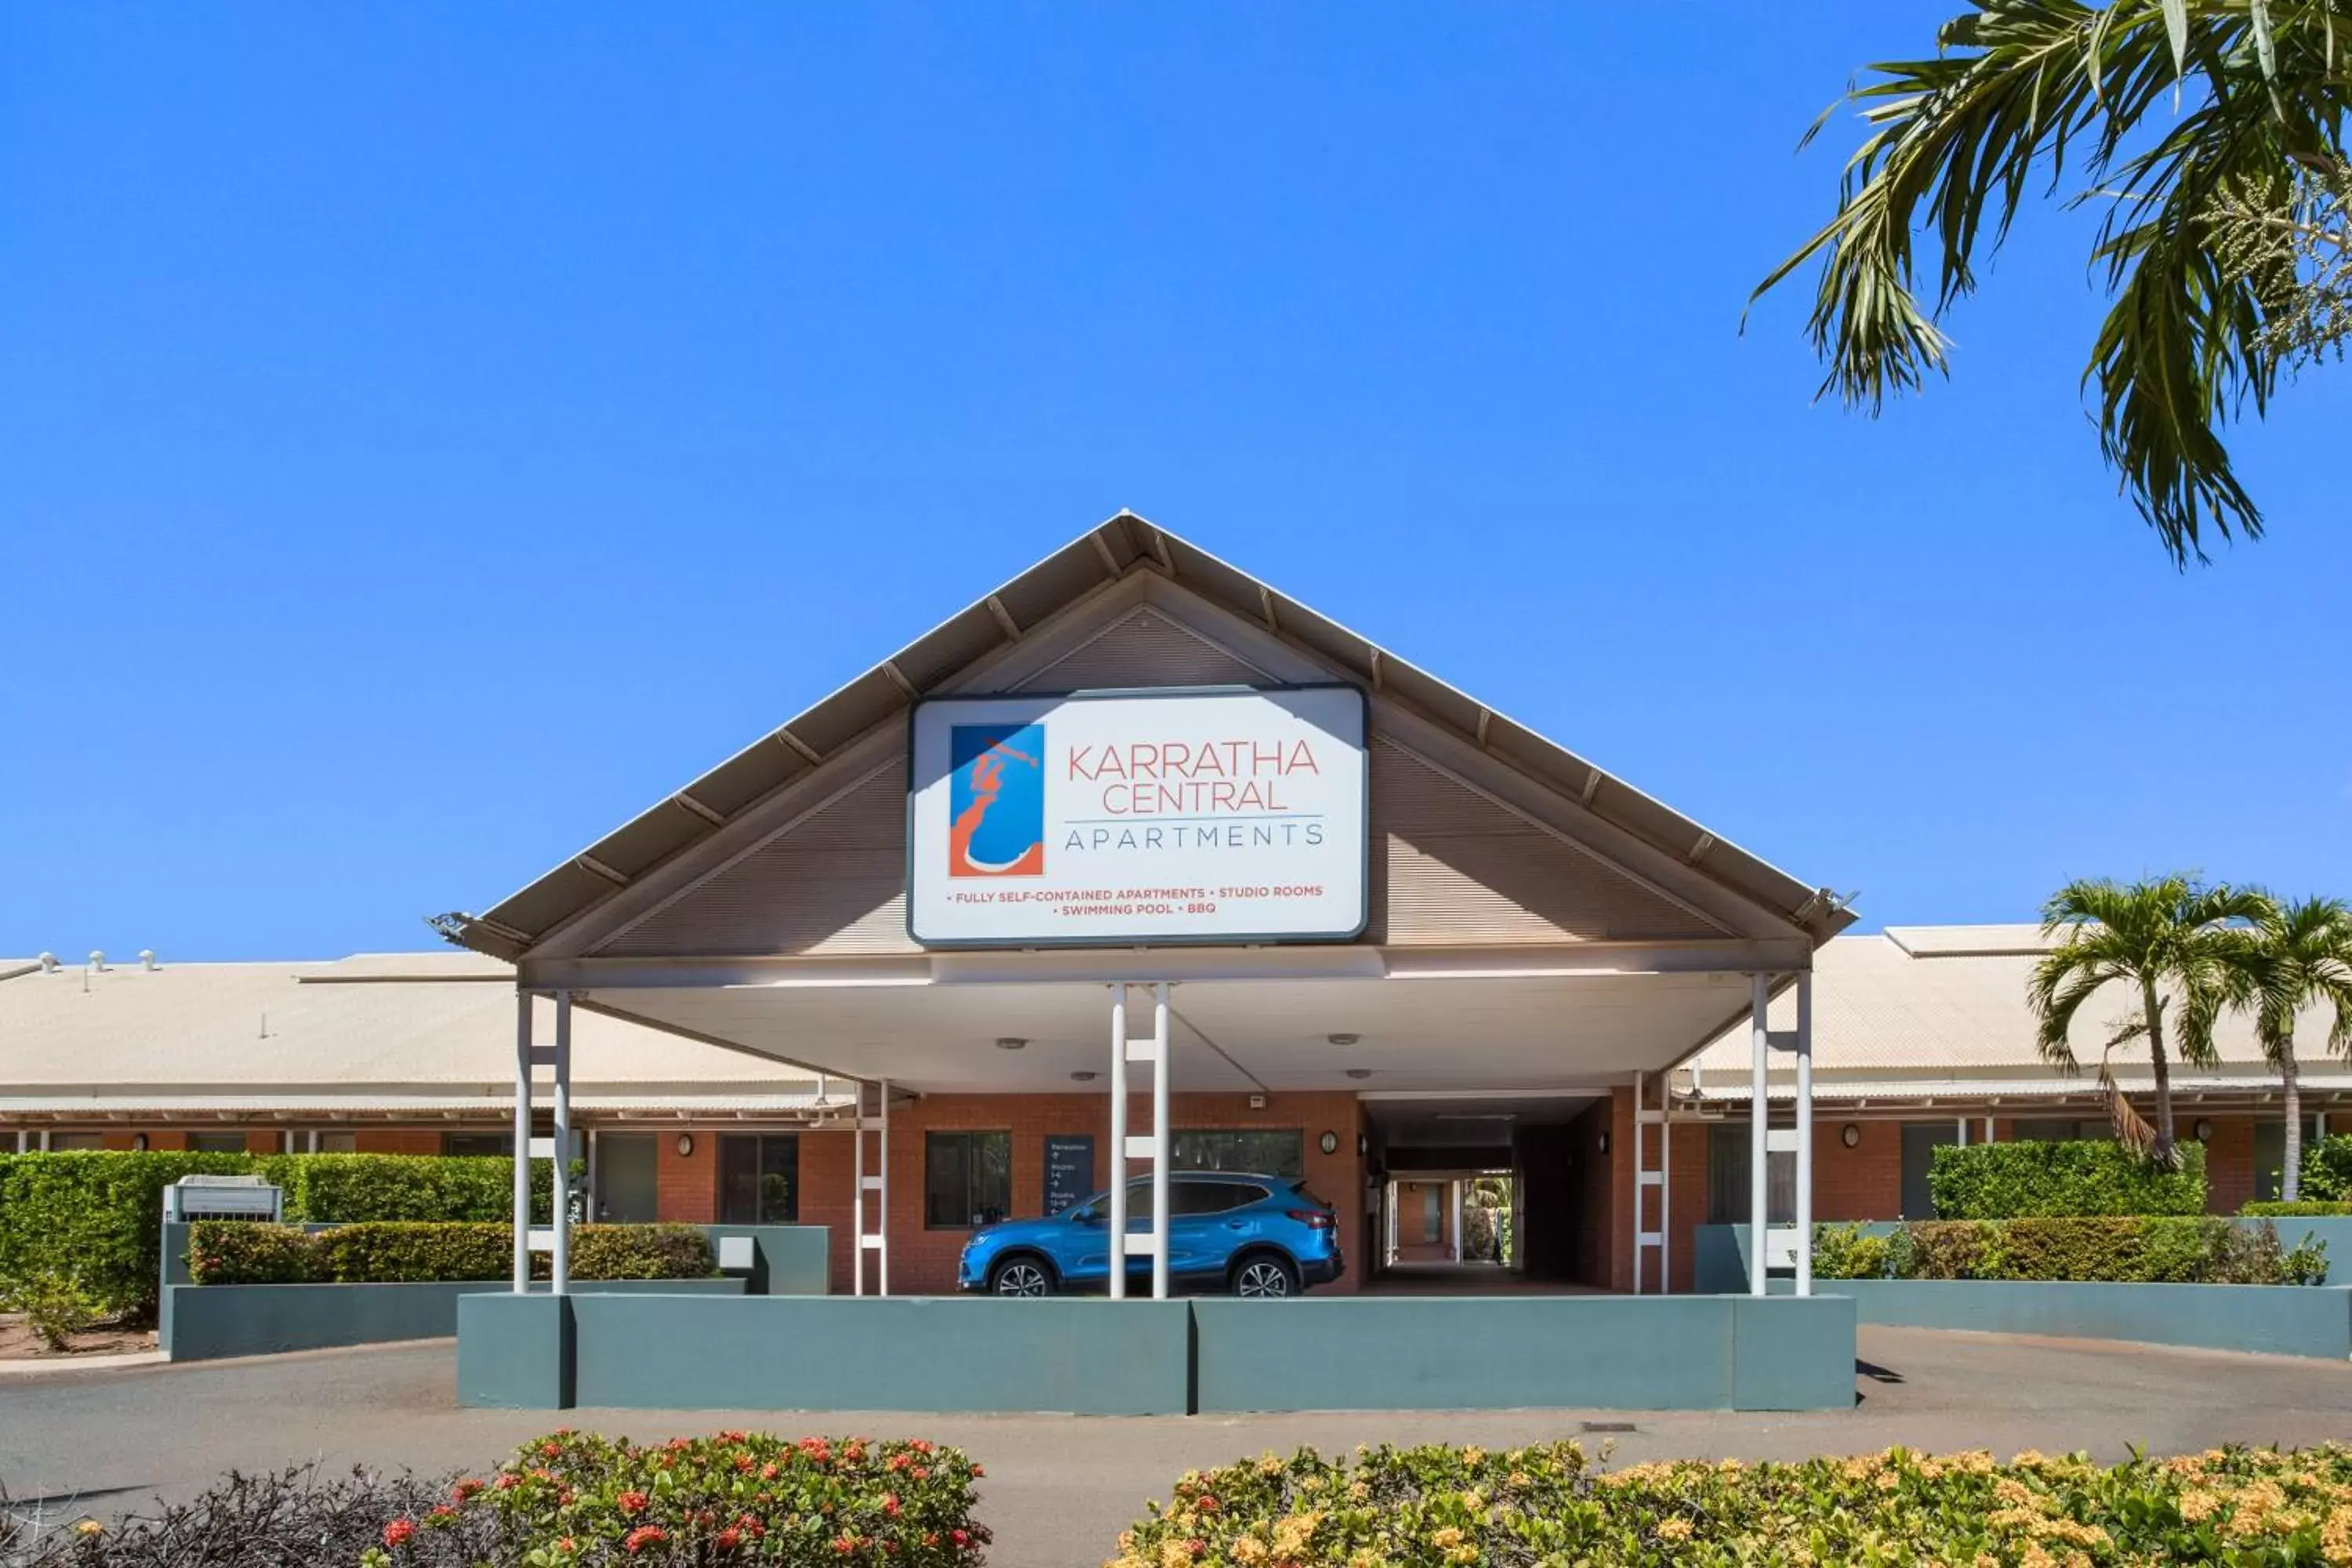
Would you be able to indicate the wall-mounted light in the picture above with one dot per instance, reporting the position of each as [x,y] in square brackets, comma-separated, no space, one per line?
[2204,1131]
[685,1145]
[1604,1140]
[1849,1135]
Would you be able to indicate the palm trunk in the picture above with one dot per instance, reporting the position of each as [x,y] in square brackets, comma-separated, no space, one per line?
[2291,1095]
[2165,1153]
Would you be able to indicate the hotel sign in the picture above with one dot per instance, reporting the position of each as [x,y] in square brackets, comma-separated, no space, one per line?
[1182,817]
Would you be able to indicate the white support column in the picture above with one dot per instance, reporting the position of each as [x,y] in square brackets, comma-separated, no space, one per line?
[314,1140]
[1118,1237]
[45,1140]
[1641,1173]
[21,1139]
[1760,1121]
[1964,1131]
[559,1267]
[522,1144]
[882,1194]
[857,1195]
[1665,1184]
[1805,1132]
[1989,1137]
[1453,1200]
[1161,1140]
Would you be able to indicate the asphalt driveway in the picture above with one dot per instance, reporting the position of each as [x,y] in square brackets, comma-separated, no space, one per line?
[1060,1487]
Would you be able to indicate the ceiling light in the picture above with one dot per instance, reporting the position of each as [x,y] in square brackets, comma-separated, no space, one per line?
[1359,1072]
[1343,1040]
[1082,1076]
[1009,1042]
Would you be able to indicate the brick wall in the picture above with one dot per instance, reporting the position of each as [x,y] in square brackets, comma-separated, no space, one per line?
[923,1260]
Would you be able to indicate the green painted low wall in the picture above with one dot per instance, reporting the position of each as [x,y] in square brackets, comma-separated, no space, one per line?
[1090,1356]
[2277,1319]
[1087,1356]
[206,1323]
[789,1259]
[1672,1353]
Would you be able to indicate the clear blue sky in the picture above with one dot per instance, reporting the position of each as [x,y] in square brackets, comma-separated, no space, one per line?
[429,434]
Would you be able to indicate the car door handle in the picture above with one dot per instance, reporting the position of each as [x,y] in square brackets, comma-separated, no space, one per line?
[1236,1225]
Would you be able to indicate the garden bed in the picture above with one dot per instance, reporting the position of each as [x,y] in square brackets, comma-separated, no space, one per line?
[19,1341]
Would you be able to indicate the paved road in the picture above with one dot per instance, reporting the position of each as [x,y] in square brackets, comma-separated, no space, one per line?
[1060,1487]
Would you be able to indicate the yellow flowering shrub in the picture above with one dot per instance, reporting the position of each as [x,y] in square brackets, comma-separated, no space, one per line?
[1550,1507]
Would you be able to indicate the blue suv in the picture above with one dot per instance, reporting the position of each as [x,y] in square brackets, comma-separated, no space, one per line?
[1264,1236]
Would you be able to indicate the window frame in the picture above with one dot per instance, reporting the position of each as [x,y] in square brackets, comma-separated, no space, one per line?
[761,1142]
[1178,1162]
[970,1137]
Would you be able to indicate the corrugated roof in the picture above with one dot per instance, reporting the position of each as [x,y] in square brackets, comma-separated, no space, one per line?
[1125,544]
[257,1028]
[1948,1001]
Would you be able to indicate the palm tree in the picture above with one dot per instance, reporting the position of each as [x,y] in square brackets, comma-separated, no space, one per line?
[2305,953]
[2177,114]
[2165,940]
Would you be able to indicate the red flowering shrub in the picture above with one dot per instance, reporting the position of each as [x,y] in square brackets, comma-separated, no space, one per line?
[573,1498]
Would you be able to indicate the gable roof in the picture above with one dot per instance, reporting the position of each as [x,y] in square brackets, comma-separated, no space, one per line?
[1120,547]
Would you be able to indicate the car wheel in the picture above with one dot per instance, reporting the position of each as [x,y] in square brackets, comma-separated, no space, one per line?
[1020,1276]
[1266,1278]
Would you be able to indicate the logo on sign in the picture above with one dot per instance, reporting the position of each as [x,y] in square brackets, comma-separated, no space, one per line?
[996,796]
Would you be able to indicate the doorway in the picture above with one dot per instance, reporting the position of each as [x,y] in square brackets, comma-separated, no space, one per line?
[628,1190]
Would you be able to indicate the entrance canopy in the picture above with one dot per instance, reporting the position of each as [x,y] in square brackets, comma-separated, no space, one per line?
[1530,921]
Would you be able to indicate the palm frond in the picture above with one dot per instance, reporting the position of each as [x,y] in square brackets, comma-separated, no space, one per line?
[2161,107]
[2133,1130]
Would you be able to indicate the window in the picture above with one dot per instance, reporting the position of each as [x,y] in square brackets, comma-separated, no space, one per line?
[215,1142]
[477,1143]
[1208,1197]
[338,1142]
[1280,1152]
[966,1179]
[1728,1186]
[759,1178]
[76,1142]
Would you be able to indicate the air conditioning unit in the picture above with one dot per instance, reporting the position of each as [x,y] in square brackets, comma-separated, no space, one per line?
[222,1197]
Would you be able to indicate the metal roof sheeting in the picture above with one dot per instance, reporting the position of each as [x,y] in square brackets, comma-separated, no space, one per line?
[1123,545]
[419,1021]
[1950,1003]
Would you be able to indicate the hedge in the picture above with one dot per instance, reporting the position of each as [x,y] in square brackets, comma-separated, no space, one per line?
[2119,1248]
[375,1252]
[1549,1505]
[2012,1181]
[97,1217]
[2326,1175]
[566,1501]
[2280,1209]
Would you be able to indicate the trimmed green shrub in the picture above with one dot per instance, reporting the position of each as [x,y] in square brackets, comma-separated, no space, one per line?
[242,1252]
[56,1306]
[96,1216]
[375,1252]
[2281,1209]
[2326,1175]
[2116,1248]
[99,1216]
[1548,1505]
[2014,1181]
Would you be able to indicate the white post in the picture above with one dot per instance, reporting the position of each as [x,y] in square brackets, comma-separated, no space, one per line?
[1454,1190]
[882,1192]
[314,1140]
[20,1141]
[1964,1131]
[1665,1184]
[593,1189]
[1805,1132]
[1989,1137]
[522,1144]
[1118,1237]
[1759,996]
[559,1268]
[857,1195]
[1162,1142]
[1639,1157]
